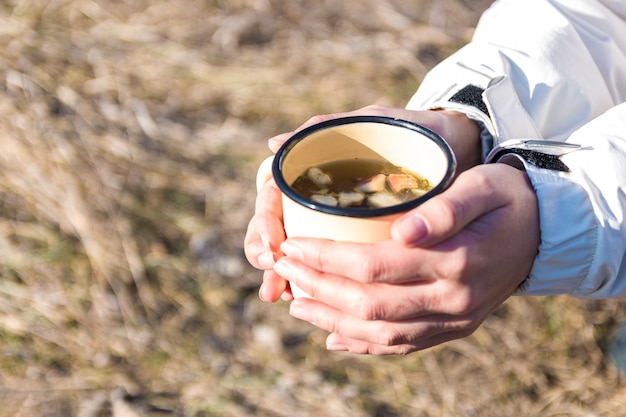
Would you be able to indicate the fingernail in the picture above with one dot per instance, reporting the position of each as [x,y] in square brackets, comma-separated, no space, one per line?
[333,343]
[298,311]
[291,249]
[410,229]
[262,295]
[283,268]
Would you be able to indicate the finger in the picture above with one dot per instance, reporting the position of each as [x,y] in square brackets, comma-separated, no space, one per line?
[371,110]
[273,287]
[372,301]
[277,141]
[337,342]
[437,121]
[386,261]
[265,231]
[269,217]
[288,294]
[380,332]
[255,250]
[326,117]
[471,196]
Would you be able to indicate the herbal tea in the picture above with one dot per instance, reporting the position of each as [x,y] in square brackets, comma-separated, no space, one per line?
[360,183]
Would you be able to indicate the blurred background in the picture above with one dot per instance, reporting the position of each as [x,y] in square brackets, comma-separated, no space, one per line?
[130,133]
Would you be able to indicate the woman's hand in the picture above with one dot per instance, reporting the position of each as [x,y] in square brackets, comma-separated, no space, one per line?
[265,231]
[451,262]
[460,132]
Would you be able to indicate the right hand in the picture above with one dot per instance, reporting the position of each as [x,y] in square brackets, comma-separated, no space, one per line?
[450,263]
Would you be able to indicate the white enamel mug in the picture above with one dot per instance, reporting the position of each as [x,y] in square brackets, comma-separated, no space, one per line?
[402,143]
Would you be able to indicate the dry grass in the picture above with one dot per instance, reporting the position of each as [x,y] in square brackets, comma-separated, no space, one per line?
[130,135]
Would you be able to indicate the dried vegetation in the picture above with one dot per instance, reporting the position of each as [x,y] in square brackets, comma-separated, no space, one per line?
[130,135]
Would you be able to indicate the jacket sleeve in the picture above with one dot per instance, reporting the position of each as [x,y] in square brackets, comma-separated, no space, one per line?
[555,70]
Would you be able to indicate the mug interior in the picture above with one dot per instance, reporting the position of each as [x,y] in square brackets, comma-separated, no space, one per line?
[399,142]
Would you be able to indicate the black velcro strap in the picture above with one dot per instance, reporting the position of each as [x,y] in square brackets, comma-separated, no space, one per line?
[471,96]
[538,159]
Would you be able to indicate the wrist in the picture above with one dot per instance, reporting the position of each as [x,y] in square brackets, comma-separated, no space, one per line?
[463,134]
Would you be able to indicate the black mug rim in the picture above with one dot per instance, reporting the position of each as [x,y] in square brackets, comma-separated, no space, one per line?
[362,211]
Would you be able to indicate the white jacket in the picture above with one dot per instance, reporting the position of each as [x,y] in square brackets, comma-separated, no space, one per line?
[555,70]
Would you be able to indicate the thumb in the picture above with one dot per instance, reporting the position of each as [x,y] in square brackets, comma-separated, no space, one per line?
[472,195]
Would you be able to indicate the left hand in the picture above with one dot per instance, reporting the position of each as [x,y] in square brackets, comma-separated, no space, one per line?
[265,231]
[451,262]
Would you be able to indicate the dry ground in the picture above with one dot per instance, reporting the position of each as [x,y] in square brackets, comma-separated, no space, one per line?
[130,134]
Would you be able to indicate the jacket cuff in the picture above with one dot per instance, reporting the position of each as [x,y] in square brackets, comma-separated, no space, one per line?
[565,254]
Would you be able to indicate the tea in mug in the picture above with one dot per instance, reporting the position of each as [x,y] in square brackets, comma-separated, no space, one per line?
[360,183]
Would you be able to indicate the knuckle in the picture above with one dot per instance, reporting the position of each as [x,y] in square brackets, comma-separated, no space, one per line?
[389,337]
[366,311]
[317,119]
[322,118]
[375,108]
[333,325]
[404,350]
[372,269]
[365,307]
[450,210]
[458,267]
[464,306]
[482,179]
[460,303]
[452,299]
